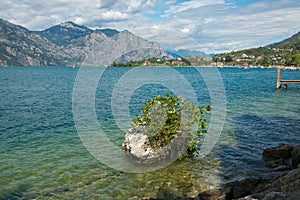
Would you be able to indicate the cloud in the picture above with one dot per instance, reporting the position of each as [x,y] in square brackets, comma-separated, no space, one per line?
[168,38]
[185,30]
[106,3]
[187,5]
[245,28]
[44,13]
[171,2]
[41,14]
[134,5]
[113,15]
[218,28]
[207,25]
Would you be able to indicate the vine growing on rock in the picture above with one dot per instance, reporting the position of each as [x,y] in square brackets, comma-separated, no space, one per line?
[165,117]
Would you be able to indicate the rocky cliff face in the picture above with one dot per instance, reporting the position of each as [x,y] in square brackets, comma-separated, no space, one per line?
[124,47]
[21,47]
[69,44]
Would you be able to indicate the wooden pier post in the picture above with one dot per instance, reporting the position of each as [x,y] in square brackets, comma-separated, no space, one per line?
[279,78]
[285,83]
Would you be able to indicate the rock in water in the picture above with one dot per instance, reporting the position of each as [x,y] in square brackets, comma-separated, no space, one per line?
[285,187]
[242,188]
[296,157]
[137,146]
[211,195]
[282,151]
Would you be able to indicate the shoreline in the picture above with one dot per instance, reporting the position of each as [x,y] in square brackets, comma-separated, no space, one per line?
[175,66]
[280,182]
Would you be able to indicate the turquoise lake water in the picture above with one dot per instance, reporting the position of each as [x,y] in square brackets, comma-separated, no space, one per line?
[42,156]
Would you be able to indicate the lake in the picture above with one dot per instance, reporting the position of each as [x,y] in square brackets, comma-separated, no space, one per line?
[42,155]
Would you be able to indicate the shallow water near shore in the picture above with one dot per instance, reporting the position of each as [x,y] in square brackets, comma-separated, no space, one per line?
[42,156]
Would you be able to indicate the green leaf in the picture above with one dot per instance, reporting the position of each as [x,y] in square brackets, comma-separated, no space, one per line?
[169,109]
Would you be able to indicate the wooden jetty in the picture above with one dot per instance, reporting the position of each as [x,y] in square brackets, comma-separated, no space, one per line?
[285,83]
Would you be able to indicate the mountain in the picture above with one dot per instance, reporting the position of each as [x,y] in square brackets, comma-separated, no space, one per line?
[65,33]
[285,52]
[21,47]
[68,32]
[123,47]
[133,48]
[290,39]
[69,44]
[108,32]
[182,53]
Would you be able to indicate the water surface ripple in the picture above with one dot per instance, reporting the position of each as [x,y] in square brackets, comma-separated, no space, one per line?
[42,157]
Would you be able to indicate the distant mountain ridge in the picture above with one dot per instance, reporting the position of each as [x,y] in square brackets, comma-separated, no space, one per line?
[290,39]
[182,53]
[69,44]
[67,32]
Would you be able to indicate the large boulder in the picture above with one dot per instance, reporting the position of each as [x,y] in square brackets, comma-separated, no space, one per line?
[278,157]
[285,187]
[281,151]
[137,146]
[241,188]
[211,195]
[283,154]
[295,157]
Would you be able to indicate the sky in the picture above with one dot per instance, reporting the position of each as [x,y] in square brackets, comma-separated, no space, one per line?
[211,26]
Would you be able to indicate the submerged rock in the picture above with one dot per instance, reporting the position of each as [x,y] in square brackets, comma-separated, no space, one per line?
[276,163]
[271,176]
[281,151]
[211,195]
[242,188]
[282,157]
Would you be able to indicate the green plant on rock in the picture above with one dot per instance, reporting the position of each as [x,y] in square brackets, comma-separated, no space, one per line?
[165,117]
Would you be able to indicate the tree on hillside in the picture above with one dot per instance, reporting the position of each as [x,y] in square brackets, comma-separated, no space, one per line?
[293,59]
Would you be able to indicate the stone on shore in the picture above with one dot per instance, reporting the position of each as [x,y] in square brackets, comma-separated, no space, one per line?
[280,183]
[285,187]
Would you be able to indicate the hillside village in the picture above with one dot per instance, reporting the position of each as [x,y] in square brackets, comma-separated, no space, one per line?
[284,53]
[165,61]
